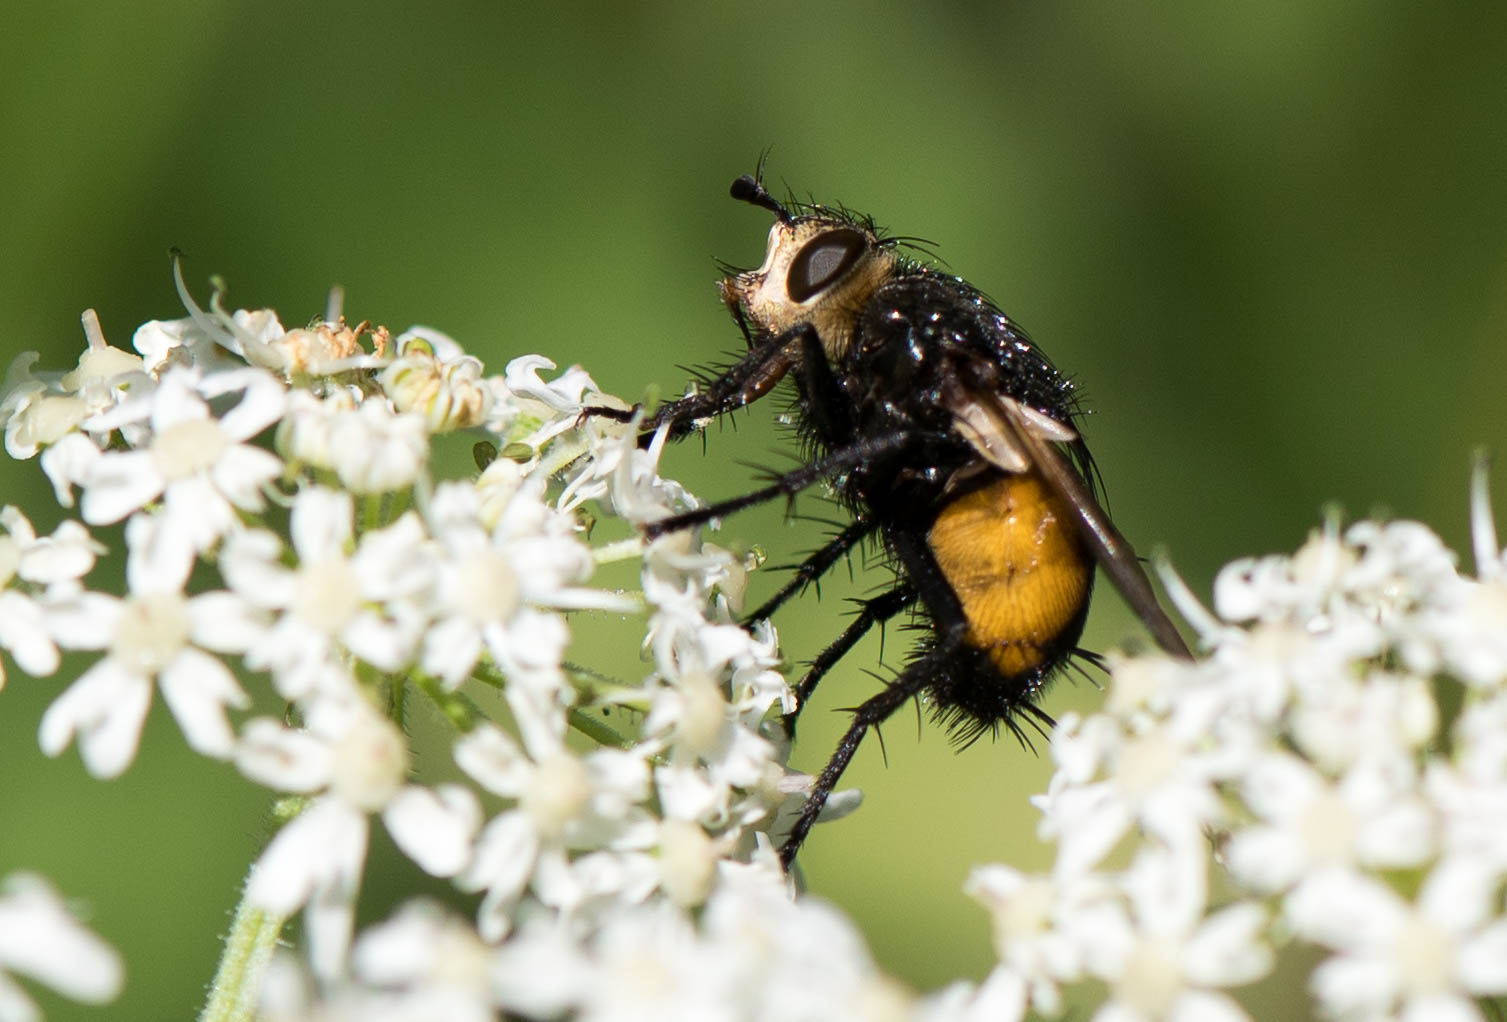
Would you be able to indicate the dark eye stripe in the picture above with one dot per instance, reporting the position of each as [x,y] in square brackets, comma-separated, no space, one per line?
[822,261]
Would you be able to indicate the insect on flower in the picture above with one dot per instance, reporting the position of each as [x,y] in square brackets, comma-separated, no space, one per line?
[953,442]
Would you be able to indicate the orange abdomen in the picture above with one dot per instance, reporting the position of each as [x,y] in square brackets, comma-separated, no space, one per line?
[1014,558]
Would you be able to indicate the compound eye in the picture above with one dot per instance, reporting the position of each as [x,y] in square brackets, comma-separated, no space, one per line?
[822,261]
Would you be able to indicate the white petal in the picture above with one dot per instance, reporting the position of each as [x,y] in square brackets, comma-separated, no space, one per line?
[1266,858]
[1347,984]
[23,631]
[536,641]
[68,463]
[69,553]
[417,944]
[1279,785]
[250,564]
[1345,910]
[1440,1007]
[313,849]
[15,1006]
[105,709]
[197,511]
[1400,836]
[321,523]
[39,938]
[1459,893]
[619,775]
[120,482]
[156,338]
[451,649]
[505,856]
[1482,961]
[434,828]
[1092,823]
[1206,1006]
[175,400]
[315,860]
[381,641]
[1228,948]
[242,472]
[85,621]
[1001,997]
[197,688]
[225,623]
[161,554]
[390,561]
[282,758]
[541,973]
[494,760]
[687,793]
[263,400]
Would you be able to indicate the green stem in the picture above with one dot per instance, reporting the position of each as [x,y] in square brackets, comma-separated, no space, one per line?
[371,512]
[594,729]
[249,945]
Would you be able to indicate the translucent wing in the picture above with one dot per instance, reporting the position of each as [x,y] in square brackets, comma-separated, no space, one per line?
[1014,437]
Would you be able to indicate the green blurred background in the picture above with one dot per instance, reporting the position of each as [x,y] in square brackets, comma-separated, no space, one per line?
[1269,240]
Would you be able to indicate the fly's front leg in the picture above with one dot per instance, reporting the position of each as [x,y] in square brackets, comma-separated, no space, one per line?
[742,383]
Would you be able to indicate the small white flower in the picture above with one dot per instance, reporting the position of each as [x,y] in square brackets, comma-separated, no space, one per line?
[200,465]
[28,562]
[541,971]
[316,861]
[562,802]
[493,586]
[40,410]
[435,378]
[429,959]
[1161,957]
[333,600]
[541,411]
[355,763]
[1375,720]
[1158,778]
[154,636]
[1029,913]
[370,448]
[1423,960]
[1370,818]
[716,768]
[303,433]
[376,450]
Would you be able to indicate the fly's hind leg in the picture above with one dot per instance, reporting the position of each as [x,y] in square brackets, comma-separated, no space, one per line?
[871,612]
[870,713]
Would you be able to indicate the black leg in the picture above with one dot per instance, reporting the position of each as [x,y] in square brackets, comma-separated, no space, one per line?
[871,612]
[827,407]
[919,566]
[924,580]
[792,483]
[814,566]
[745,381]
[873,711]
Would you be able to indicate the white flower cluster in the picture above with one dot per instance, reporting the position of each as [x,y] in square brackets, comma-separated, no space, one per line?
[1300,786]
[288,548]
[298,580]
